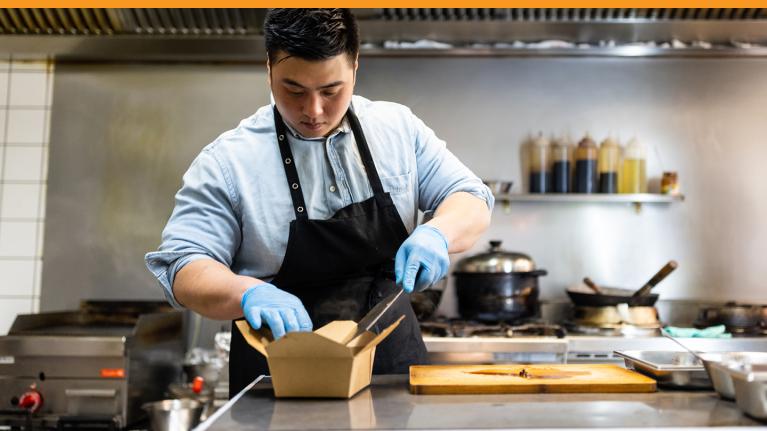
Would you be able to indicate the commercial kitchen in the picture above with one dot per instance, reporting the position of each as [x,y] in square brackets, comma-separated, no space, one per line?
[537,326]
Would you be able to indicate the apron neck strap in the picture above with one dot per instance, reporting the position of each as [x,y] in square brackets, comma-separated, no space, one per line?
[367,157]
[299,206]
[288,162]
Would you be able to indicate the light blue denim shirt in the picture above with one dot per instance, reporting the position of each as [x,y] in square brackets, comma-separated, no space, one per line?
[234,205]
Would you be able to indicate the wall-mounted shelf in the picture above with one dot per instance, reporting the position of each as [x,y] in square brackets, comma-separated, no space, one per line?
[637,199]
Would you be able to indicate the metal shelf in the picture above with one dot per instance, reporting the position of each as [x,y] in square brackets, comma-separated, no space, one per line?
[637,199]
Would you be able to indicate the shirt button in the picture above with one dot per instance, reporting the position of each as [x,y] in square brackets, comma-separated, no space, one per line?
[332,188]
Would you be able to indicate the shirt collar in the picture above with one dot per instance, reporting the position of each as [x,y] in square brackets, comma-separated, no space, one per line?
[342,128]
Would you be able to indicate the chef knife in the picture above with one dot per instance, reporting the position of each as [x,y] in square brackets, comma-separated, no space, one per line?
[374,314]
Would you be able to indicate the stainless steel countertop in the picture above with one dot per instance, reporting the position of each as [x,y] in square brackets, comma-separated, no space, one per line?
[387,404]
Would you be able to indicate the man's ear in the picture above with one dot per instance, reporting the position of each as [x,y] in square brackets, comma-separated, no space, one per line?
[268,72]
[356,66]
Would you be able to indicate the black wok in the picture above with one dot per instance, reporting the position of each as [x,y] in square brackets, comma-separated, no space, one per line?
[610,296]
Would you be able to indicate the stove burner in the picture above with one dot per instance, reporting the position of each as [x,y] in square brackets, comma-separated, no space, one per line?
[463,329]
[616,330]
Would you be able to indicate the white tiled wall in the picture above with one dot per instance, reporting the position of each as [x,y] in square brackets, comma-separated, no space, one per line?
[25,102]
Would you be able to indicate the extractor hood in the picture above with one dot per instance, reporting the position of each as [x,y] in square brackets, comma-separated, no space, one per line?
[235,34]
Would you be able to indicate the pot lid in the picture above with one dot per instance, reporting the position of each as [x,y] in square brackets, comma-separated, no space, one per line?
[496,260]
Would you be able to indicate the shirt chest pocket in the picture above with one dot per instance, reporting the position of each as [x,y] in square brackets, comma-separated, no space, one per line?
[397,184]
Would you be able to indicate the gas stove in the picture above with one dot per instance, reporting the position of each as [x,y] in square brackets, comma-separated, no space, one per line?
[90,368]
[565,334]
[467,328]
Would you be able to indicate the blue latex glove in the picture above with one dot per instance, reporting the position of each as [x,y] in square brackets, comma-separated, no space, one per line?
[282,311]
[422,259]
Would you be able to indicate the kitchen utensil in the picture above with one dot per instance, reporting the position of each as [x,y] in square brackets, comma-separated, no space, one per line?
[750,382]
[425,303]
[373,315]
[737,318]
[616,316]
[497,285]
[515,378]
[657,278]
[669,368]
[173,415]
[719,369]
[499,187]
[692,352]
[609,297]
[205,396]
[593,286]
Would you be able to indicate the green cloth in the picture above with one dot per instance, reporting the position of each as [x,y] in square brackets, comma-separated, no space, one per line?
[717,331]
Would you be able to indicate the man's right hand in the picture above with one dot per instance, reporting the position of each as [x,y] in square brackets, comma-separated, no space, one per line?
[281,311]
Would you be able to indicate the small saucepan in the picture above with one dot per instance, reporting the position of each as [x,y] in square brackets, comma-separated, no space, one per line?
[609,296]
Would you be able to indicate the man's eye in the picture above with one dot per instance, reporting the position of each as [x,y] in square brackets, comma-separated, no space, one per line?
[295,93]
[330,93]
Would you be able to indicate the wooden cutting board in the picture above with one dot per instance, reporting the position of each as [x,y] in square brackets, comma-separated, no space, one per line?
[540,378]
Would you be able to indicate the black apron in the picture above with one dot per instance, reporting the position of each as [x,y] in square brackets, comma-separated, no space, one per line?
[340,268]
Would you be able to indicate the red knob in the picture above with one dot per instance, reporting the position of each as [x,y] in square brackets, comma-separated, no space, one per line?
[32,400]
[197,384]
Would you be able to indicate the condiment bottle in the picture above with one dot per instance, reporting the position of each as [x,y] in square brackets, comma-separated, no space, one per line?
[560,167]
[669,184]
[634,174]
[586,166]
[540,169]
[609,158]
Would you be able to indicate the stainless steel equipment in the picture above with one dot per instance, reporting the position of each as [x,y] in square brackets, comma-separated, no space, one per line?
[671,369]
[235,34]
[751,389]
[719,369]
[497,286]
[96,365]
[174,415]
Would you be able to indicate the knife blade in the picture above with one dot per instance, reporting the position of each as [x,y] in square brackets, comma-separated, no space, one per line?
[375,313]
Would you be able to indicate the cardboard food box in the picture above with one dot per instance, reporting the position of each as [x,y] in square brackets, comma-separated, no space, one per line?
[318,364]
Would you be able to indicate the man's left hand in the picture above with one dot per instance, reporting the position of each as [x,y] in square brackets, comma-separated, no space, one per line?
[422,259]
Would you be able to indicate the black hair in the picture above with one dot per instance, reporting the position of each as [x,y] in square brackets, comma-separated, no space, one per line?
[311,34]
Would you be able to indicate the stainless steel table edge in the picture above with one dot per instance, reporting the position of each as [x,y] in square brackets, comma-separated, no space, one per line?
[743,428]
[209,421]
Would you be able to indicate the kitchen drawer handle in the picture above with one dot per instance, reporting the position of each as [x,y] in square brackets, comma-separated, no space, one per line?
[91,393]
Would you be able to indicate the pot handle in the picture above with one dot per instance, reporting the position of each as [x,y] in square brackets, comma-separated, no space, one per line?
[538,272]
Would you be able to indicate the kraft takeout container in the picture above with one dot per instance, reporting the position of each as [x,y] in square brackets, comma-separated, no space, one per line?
[318,364]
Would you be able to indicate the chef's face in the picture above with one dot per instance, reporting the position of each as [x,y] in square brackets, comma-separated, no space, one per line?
[312,96]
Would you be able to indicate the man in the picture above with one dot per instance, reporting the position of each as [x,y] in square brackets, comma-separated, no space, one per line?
[305,213]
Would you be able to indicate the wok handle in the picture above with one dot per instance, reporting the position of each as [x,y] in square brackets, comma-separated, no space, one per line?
[657,278]
[593,286]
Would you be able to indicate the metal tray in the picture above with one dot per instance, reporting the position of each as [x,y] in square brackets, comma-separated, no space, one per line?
[668,368]
[751,389]
[719,369]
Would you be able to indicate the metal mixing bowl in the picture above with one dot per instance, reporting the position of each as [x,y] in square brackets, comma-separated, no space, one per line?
[173,415]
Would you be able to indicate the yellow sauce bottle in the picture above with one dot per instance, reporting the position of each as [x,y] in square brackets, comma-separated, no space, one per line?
[633,178]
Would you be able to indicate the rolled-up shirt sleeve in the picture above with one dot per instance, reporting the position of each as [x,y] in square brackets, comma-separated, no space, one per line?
[204,223]
[440,173]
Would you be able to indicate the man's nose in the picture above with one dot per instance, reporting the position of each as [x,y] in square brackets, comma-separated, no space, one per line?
[313,106]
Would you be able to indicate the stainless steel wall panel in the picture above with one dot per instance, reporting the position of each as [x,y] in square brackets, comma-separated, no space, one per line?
[122,137]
